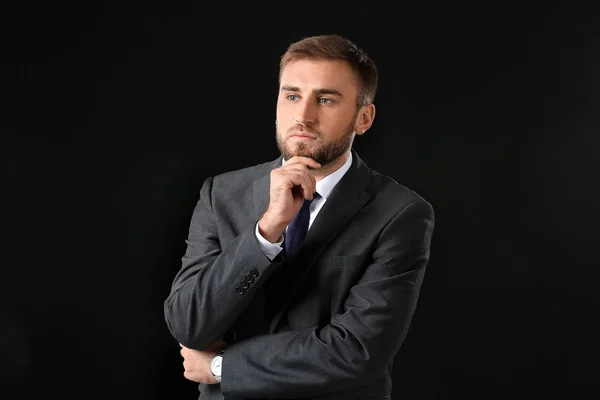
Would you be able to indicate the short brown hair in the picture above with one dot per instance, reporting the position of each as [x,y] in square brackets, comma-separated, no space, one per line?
[335,47]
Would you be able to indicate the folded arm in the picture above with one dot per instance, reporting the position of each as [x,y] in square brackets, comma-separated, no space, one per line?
[208,293]
[357,343]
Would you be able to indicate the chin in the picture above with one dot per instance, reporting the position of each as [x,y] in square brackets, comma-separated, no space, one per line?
[302,151]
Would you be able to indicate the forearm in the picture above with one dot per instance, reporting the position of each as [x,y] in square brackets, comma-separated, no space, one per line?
[348,352]
[217,281]
[203,306]
[357,344]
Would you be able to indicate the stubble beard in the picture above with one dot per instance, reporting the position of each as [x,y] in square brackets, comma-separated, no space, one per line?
[323,153]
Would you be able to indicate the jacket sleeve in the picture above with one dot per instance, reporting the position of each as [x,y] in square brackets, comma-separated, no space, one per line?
[357,343]
[215,284]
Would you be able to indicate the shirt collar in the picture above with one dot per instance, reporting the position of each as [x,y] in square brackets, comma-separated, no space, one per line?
[325,186]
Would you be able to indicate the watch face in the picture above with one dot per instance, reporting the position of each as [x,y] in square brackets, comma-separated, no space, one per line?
[215,365]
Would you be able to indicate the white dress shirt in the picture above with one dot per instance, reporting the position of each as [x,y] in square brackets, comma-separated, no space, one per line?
[324,188]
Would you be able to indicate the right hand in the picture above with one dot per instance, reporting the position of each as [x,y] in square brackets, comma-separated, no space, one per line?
[291,184]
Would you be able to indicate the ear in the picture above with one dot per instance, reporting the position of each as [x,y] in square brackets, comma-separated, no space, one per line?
[364,119]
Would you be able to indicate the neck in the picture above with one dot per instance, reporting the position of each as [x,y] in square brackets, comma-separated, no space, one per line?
[333,166]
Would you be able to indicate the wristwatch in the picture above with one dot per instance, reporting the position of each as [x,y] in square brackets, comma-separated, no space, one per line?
[215,365]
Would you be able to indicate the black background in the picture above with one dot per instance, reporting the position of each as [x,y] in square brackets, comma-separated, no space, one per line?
[114,114]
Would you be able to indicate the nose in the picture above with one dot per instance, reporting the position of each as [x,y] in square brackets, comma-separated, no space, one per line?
[306,113]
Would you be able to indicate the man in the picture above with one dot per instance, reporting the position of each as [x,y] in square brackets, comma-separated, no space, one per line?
[301,275]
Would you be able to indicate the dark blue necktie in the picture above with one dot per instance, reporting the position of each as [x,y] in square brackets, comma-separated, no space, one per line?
[296,231]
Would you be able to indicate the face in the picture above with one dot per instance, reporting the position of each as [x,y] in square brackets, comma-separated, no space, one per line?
[317,114]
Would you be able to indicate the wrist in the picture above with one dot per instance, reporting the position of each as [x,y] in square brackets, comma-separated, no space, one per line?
[269,230]
[216,364]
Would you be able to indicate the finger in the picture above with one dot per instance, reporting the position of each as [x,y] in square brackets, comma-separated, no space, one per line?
[300,168]
[295,167]
[309,162]
[303,169]
[305,181]
[308,185]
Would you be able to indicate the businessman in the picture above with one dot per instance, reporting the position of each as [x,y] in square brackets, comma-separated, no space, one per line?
[301,274]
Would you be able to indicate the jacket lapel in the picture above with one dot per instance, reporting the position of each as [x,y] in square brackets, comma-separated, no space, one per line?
[346,199]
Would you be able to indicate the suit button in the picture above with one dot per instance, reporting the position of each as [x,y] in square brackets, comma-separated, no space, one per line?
[249,278]
[239,290]
[244,285]
[254,272]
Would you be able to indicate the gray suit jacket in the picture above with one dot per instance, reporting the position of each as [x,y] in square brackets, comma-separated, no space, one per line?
[343,309]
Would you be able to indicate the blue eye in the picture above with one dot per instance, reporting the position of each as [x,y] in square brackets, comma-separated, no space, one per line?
[292,97]
[324,100]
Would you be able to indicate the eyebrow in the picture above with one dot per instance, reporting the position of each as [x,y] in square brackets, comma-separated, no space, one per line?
[317,91]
